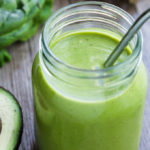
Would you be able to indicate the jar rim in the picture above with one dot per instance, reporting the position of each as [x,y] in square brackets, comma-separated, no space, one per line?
[135,54]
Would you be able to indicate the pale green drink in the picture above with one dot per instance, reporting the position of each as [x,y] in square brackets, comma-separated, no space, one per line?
[79,109]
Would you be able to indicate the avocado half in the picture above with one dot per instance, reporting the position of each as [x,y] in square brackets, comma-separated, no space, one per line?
[11,123]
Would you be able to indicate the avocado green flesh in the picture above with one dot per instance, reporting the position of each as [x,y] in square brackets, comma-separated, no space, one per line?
[11,121]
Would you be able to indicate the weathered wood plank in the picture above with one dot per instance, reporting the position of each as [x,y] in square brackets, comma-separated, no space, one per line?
[145,138]
[16,75]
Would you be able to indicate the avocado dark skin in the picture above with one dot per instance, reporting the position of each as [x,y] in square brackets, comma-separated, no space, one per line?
[21,129]
[15,110]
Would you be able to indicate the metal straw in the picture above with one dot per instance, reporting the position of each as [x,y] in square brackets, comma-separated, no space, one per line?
[125,40]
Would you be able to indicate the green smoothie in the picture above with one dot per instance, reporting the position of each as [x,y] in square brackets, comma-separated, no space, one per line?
[82,118]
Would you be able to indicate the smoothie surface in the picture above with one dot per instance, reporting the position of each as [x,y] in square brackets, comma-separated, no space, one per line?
[87,49]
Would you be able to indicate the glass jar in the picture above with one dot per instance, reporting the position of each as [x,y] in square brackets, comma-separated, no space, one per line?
[83,109]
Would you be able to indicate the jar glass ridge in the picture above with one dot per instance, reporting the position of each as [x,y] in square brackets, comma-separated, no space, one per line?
[88,15]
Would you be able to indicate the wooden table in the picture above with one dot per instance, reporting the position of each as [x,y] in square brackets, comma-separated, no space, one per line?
[16,75]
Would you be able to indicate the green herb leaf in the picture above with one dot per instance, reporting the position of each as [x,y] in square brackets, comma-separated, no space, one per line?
[4,57]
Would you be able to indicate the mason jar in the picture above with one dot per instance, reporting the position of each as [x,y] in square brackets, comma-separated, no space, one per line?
[78,108]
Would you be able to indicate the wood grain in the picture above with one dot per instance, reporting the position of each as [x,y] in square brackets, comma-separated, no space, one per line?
[16,75]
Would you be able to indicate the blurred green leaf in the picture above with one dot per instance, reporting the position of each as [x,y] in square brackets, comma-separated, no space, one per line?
[19,20]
